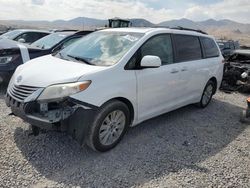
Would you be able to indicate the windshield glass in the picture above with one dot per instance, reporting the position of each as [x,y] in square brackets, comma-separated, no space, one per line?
[11,34]
[49,41]
[101,48]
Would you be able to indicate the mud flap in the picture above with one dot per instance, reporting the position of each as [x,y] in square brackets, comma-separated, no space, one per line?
[79,123]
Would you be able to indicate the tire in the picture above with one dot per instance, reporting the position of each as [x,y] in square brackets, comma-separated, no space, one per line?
[207,94]
[103,130]
[35,130]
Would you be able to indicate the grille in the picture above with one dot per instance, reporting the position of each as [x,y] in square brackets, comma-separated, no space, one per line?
[20,93]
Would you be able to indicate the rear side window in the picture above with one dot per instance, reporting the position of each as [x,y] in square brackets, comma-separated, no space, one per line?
[30,37]
[160,46]
[209,47]
[187,48]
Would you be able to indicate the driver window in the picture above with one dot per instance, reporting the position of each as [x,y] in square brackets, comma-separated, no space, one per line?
[160,46]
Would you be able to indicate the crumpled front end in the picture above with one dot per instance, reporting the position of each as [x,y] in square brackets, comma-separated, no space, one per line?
[22,101]
[66,114]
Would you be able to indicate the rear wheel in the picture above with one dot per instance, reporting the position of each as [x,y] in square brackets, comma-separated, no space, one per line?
[207,94]
[109,126]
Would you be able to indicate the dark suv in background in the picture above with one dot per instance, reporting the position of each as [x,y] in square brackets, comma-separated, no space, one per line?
[11,55]
[227,47]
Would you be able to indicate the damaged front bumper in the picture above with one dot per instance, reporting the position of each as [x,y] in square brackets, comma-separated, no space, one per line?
[68,115]
[47,114]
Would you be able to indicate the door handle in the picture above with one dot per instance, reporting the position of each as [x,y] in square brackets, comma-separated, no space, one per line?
[173,71]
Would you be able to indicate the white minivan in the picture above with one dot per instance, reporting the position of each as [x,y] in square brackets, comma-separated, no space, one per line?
[110,80]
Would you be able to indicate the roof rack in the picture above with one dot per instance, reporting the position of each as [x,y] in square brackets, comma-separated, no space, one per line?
[161,26]
[83,32]
[64,30]
[189,29]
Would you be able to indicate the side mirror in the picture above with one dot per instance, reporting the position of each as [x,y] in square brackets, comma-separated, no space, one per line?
[21,40]
[150,61]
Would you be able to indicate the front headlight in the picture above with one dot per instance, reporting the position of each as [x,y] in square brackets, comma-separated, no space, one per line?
[5,59]
[63,90]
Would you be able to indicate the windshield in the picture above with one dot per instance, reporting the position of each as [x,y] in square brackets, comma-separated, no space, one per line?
[101,48]
[11,34]
[49,41]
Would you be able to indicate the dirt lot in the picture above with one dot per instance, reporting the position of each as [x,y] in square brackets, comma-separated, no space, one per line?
[189,147]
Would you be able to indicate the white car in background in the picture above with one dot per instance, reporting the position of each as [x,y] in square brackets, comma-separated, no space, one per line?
[113,79]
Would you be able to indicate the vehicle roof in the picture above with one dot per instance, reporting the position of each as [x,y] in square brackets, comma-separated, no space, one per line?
[80,32]
[225,41]
[31,30]
[117,18]
[65,33]
[147,30]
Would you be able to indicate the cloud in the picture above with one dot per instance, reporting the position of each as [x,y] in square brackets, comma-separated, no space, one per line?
[226,9]
[153,10]
[64,9]
[38,2]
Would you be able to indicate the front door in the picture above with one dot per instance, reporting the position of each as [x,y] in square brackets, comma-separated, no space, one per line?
[159,89]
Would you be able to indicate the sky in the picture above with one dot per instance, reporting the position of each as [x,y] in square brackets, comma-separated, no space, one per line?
[155,11]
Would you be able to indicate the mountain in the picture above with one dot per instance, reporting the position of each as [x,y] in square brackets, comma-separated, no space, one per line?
[181,22]
[85,22]
[225,28]
[141,23]
[82,21]
[76,23]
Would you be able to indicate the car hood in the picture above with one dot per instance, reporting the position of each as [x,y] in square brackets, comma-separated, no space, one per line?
[49,70]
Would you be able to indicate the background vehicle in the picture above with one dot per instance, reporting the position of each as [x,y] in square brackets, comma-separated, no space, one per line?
[237,72]
[118,22]
[227,47]
[24,35]
[13,54]
[116,78]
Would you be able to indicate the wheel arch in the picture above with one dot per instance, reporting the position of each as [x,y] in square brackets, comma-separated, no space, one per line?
[214,80]
[129,105]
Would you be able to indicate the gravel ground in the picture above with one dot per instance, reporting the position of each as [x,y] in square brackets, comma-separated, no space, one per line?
[189,147]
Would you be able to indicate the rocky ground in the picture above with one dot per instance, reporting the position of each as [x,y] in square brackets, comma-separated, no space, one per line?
[189,147]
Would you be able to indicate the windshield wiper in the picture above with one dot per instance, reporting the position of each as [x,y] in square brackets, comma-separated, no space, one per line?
[84,60]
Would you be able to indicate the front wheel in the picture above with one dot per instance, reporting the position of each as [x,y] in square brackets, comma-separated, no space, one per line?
[207,94]
[109,126]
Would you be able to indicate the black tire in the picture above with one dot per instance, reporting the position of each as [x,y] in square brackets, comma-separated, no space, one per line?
[93,140]
[201,104]
[35,130]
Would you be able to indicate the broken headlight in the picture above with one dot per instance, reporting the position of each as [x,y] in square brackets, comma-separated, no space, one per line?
[63,90]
